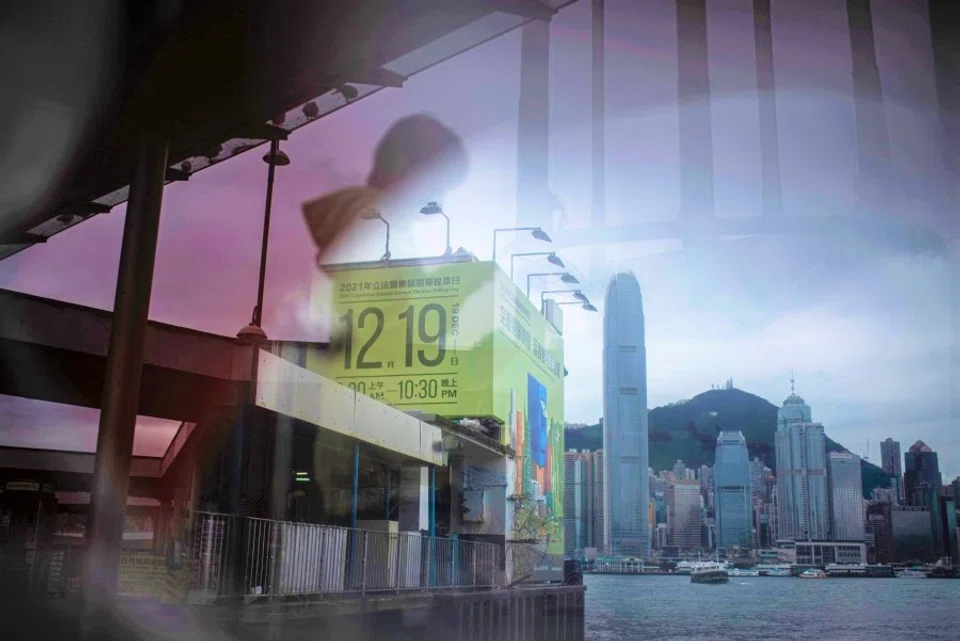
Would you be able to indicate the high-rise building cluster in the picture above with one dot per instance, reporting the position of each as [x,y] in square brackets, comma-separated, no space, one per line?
[917,520]
[616,506]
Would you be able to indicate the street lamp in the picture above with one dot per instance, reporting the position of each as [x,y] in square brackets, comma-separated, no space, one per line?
[584,306]
[433,208]
[552,258]
[253,333]
[536,232]
[374,214]
[566,277]
[576,293]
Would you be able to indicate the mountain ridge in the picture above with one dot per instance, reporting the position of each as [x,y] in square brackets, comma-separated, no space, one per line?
[687,430]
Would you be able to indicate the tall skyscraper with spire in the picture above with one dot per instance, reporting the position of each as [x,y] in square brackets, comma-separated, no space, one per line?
[626,458]
[803,510]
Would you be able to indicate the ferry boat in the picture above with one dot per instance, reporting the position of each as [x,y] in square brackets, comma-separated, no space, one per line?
[911,573]
[709,573]
[944,569]
[688,567]
[859,570]
[813,574]
[738,572]
[774,569]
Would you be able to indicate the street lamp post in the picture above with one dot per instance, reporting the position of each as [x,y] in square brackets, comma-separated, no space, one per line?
[587,306]
[576,293]
[552,258]
[374,214]
[536,232]
[253,333]
[566,277]
[433,208]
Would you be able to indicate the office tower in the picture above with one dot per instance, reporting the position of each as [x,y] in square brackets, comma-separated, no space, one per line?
[577,499]
[912,533]
[846,496]
[598,494]
[731,491]
[683,514]
[943,519]
[802,501]
[757,481]
[705,476]
[880,527]
[892,464]
[582,486]
[679,470]
[921,475]
[626,530]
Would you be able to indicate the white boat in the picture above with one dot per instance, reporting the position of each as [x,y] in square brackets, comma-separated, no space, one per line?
[911,573]
[738,572]
[774,569]
[813,573]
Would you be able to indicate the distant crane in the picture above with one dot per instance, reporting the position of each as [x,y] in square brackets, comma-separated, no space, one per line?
[866,453]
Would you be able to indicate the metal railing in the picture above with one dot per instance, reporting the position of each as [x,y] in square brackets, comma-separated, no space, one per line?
[281,558]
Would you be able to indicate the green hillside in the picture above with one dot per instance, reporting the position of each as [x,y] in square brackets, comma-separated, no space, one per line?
[688,431]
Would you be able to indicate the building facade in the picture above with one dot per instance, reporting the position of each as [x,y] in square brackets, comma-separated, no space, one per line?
[803,511]
[626,526]
[879,527]
[921,475]
[891,461]
[910,528]
[731,492]
[846,496]
[683,514]
[579,503]
[757,479]
[821,553]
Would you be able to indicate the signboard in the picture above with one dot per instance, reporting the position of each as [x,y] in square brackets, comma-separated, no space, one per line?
[146,576]
[415,337]
[458,339]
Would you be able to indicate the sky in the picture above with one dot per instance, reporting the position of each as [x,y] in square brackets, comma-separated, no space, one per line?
[868,330]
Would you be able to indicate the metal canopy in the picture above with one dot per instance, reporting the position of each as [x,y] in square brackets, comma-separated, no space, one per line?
[218,79]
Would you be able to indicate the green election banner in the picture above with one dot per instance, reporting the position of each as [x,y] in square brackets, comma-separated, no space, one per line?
[414,336]
[528,389]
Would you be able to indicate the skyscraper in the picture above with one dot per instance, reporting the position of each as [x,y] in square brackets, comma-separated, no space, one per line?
[680,470]
[921,475]
[598,494]
[731,491]
[757,481]
[626,526]
[846,497]
[683,514]
[580,505]
[802,500]
[892,464]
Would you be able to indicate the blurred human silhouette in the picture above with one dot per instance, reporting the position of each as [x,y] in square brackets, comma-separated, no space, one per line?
[418,160]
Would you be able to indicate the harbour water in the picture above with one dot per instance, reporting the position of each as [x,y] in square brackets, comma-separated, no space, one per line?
[648,608]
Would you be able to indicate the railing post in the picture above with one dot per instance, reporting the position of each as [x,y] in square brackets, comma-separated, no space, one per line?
[400,537]
[323,555]
[363,563]
[475,571]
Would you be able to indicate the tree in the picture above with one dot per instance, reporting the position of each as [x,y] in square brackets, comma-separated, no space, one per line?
[534,528]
